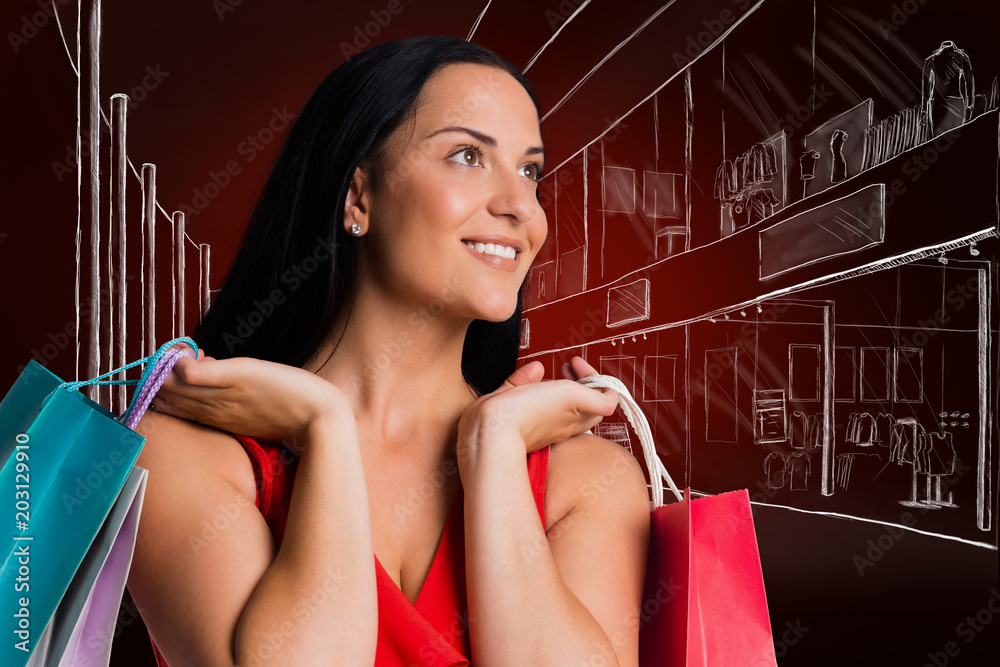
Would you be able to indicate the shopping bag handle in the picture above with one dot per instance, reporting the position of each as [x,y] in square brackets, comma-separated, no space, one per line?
[635,417]
[157,368]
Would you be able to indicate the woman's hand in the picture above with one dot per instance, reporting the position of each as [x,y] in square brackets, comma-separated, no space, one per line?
[540,413]
[265,400]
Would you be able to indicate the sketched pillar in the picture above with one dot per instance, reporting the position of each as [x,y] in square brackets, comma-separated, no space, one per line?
[984,490]
[829,455]
[118,242]
[148,259]
[203,290]
[178,272]
[88,268]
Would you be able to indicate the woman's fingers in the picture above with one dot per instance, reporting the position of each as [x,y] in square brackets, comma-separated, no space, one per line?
[530,372]
[206,371]
[164,406]
[577,368]
[601,401]
[581,368]
[192,383]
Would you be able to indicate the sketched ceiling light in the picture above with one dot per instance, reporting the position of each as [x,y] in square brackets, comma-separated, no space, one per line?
[972,250]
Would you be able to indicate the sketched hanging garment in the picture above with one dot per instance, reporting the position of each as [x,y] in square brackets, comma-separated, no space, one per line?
[760,205]
[756,164]
[884,424]
[797,469]
[861,429]
[421,633]
[774,468]
[770,159]
[905,434]
[941,454]
[725,180]
[921,453]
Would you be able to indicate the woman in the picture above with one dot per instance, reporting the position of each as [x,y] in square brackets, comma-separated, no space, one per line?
[392,239]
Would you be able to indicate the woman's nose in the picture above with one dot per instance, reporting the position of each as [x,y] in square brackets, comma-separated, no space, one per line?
[514,197]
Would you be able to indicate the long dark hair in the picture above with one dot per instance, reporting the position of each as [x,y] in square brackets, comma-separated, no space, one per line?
[295,271]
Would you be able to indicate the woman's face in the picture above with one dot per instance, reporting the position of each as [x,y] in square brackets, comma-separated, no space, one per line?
[466,175]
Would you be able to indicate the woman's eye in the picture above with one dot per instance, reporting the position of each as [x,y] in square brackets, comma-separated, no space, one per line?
[468,156]
[533,172]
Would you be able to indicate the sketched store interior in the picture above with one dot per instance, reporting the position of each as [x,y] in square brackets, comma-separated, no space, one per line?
[788,253]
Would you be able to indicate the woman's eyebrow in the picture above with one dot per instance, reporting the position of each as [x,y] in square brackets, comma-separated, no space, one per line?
[483,138]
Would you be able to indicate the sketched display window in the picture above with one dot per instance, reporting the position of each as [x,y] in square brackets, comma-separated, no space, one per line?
[721,395]
[875,374]
[804,372]
[619,189]
[660,198]
[659,378]
[845,375]
[909,375]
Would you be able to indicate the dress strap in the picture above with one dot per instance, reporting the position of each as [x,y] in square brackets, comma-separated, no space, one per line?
[262,471]
[274,473]
[538,464]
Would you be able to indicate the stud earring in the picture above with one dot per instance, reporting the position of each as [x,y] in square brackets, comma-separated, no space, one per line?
[356,229]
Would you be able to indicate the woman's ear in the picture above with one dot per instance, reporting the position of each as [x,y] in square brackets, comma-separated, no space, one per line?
[356,205]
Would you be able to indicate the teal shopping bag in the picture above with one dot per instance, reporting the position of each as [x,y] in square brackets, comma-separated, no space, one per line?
[66,459]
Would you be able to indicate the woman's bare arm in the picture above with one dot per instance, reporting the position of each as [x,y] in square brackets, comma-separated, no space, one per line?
[570,595]
[207,578]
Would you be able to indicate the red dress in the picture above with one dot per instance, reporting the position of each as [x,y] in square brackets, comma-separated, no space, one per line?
[431,632]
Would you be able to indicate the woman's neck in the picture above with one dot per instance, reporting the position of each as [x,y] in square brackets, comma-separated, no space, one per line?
[401,368]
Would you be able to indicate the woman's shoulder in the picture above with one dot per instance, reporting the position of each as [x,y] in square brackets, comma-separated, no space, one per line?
[201,547]
[587,468]
[188,451]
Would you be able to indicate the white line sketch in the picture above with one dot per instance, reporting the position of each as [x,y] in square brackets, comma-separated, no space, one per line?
[607,57]
[119,179]
[852,223]
[859,369]
[555,34]
[864,312]
[105,345]
[659,375]
[628,303]
[859,384]
[853,125]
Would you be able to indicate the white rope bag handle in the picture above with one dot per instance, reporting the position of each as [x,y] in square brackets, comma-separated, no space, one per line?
[637,419]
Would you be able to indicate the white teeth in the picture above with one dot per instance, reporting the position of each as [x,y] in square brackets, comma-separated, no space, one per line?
[493,249]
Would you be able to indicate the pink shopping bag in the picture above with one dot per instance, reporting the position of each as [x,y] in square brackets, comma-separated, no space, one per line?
[704,603]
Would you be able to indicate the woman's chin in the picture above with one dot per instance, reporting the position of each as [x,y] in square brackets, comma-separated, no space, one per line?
[498,310]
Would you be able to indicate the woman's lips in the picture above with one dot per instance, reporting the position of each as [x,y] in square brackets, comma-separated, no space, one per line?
[496,261]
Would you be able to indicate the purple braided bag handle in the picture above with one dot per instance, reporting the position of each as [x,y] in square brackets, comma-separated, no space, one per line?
[154,382]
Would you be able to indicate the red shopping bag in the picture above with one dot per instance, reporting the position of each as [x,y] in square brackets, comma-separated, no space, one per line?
[704,603]
[704,552]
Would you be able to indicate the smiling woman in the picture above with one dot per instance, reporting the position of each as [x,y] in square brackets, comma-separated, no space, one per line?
[345,413]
